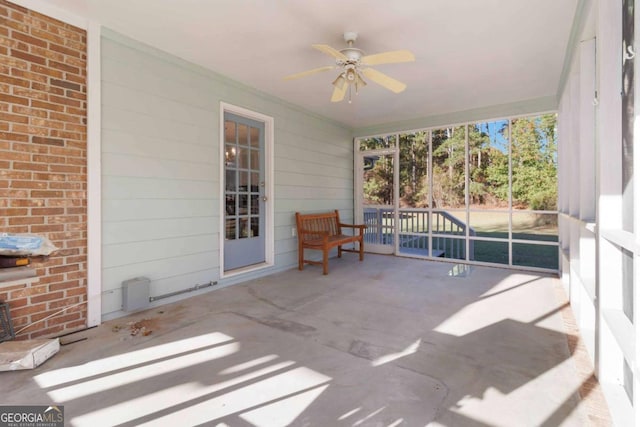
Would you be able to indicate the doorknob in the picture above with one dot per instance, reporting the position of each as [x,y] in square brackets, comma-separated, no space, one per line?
[264,198]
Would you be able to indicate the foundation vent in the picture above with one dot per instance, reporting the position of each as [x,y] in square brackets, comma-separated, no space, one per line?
[135,294]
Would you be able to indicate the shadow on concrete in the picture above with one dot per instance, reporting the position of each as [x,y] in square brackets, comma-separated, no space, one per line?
[363,346]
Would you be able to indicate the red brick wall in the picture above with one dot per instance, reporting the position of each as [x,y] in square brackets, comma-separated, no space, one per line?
[43,163]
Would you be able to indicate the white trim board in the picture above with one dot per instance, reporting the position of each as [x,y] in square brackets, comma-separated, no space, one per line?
[94,176]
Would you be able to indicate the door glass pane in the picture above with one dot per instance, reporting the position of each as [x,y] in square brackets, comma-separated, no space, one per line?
[255,137]
[255,159]
[230,183]
[255,227]
[230,180]
[230,229]
[243,204]
[231,204]
[255,204]
[244,228]
[244,181]
[230,155]
[448,145]
[229,131]
[243,158]
[255,181]
[243,134]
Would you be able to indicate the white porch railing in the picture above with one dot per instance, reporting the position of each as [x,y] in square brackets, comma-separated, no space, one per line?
[413,232]
[379,222]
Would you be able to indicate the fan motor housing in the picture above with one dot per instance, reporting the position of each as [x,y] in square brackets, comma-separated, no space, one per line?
[352,54]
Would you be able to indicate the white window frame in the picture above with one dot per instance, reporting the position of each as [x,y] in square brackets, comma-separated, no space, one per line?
[467,238]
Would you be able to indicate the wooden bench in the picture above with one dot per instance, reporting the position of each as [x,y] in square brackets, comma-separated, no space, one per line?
[323,232]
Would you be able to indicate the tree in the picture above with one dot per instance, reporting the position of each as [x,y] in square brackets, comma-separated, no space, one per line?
[533,165]
[414,155]
[448,147]
[378,182]
[534,162]
[478,145]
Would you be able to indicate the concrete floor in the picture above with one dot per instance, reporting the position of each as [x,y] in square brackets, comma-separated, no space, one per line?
[386,342]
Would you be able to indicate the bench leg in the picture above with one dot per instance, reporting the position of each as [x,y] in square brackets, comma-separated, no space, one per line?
[361,250]
[300,257]
[340,251]
[325,262]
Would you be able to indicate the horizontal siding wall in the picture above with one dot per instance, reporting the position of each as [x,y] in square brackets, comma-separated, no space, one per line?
[160,169]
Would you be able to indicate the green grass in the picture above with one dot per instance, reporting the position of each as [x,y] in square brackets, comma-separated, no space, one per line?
[524,254]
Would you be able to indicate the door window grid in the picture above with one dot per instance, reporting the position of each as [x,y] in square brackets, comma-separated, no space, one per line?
[242,186]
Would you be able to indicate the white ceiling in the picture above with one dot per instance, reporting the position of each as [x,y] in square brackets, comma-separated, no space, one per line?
[469,53]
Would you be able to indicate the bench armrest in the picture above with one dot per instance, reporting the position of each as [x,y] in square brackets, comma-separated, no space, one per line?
[361,227]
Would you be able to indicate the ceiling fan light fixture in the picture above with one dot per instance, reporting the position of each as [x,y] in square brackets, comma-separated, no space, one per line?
[340,81]
[351,60]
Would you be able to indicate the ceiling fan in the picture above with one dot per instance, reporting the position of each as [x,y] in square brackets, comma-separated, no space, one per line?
[353,63]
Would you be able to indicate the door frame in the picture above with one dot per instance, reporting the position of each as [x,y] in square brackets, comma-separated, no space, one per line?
[269,251]
[358,192]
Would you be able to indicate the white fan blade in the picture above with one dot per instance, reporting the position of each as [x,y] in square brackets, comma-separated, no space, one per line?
[309,72]
[325,48]
[383,80]
[340,89]
[388,57]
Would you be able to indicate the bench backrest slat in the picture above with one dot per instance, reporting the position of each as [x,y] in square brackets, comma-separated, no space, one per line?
[322,223]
